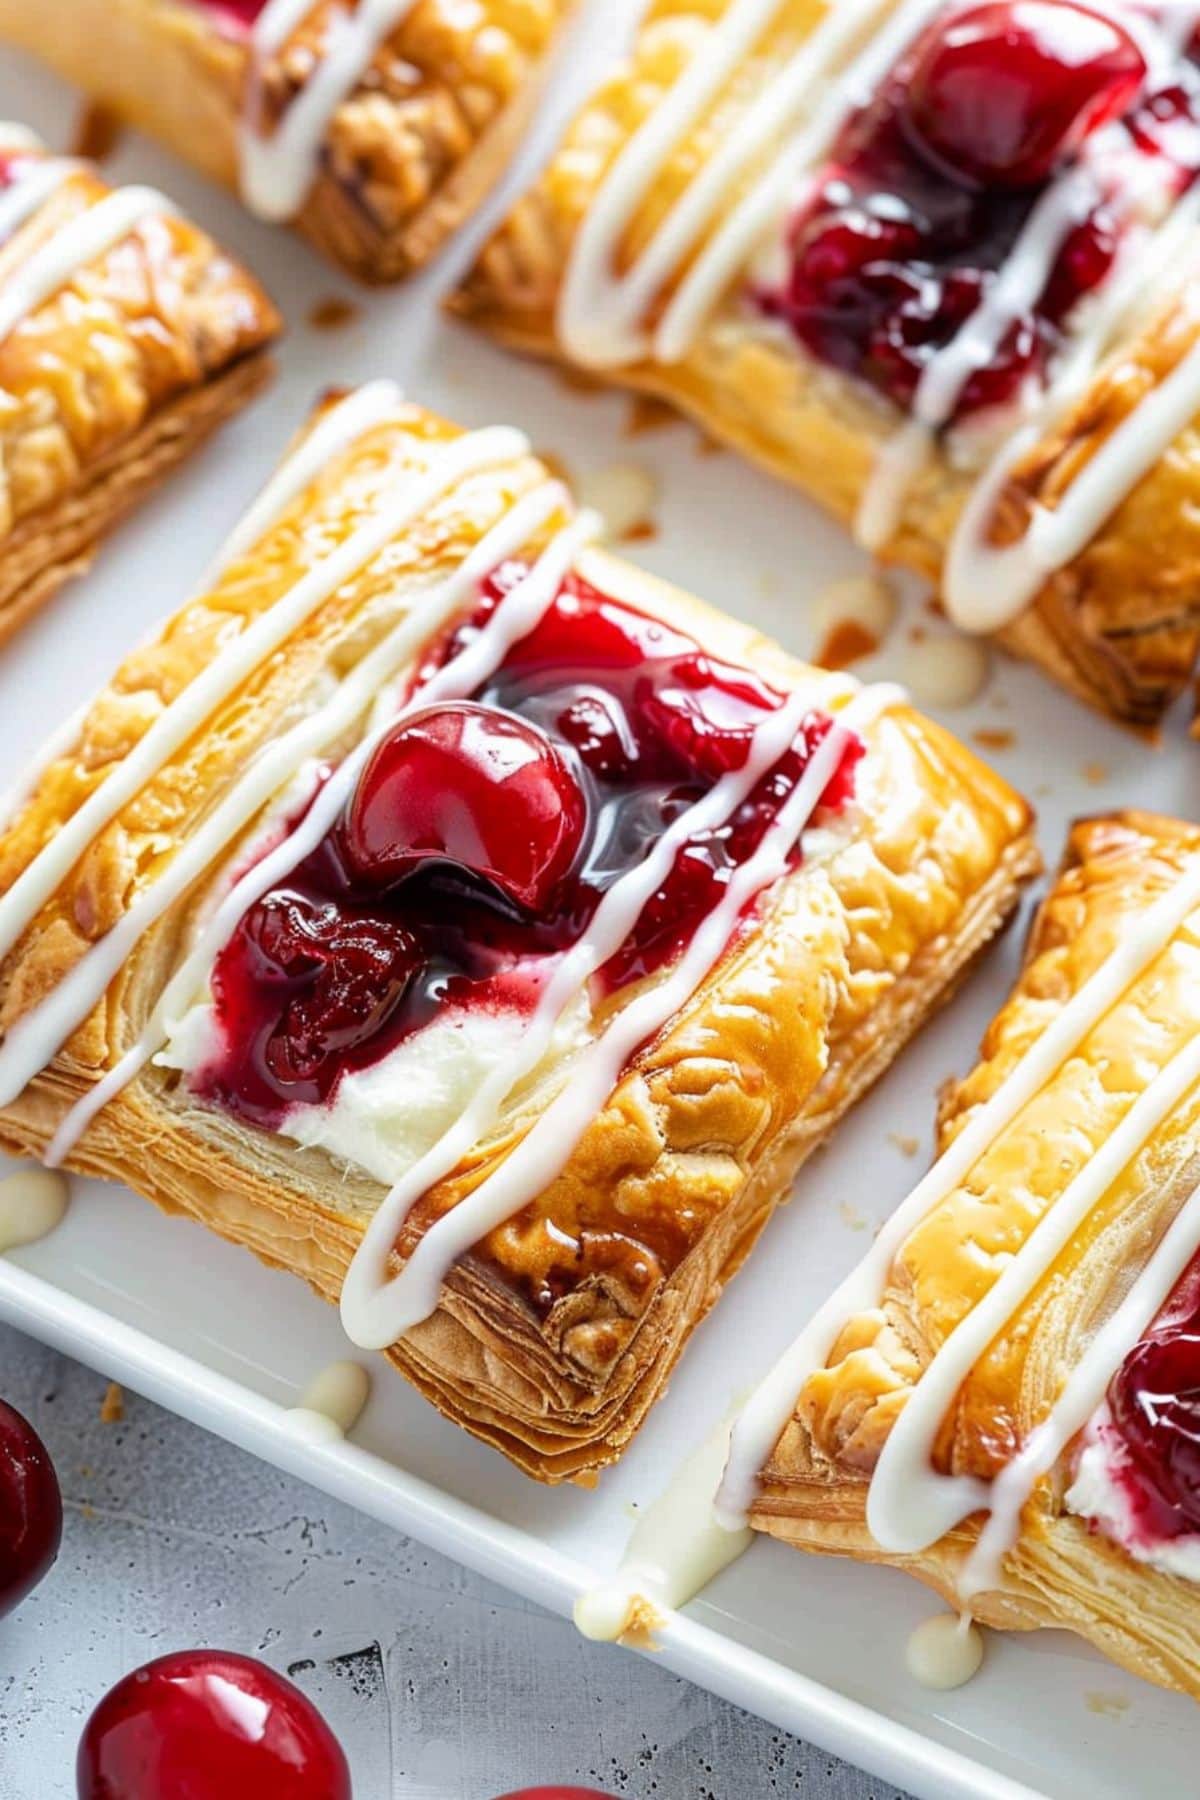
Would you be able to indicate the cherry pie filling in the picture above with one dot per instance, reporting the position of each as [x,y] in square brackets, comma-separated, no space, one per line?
[904,230]
[480,838]
[238,15]
[1154,1404]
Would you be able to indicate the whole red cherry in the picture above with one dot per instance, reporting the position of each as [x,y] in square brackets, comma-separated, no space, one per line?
[470,786]
[208,1725]
[1004,92]
[555,1793]
[30,1509]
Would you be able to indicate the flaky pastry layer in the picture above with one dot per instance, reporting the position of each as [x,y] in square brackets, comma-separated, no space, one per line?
[814,1487]
[407,157]
[1119,625]
[105,386]
[671,1183]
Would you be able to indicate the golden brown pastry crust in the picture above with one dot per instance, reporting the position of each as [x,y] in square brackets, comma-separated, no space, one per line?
[110,382]
[669,1186]
[1119,626]
[814,1487]
[407,157]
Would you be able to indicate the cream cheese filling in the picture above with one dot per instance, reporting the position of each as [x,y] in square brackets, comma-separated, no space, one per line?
[1100,1495]
[383,1118]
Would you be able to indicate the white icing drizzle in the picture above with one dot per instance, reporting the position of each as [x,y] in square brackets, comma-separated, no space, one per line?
[32,1203]
[910,1505]
[611,924]
[77,242]
[1082,1395]
[335,431]
[1015,291]
[983,586]
[944,1652]
[332,1403]
[758,1429]
[33,1039]
[674,1550]
[277,171]
[357,413]
[32,188]
[19,138]
[366,1290]
[780,189]
[600,314]
[282,760]
[376,1309]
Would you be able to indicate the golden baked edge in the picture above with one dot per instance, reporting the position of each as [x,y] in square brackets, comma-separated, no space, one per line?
[1119,626]
[408,157]
[711,1119]
[111,378]
[1060,1573]
[51,547]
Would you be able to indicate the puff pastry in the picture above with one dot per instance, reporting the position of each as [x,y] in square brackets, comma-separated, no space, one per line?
[977,345]
[377,127]
[587,1098]
[126,337]
[998,1399]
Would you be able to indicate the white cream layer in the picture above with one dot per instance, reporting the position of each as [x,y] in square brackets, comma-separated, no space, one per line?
[382,1119]
[1099,1495]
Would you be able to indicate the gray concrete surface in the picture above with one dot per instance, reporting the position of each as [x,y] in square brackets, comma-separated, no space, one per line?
[441,1685]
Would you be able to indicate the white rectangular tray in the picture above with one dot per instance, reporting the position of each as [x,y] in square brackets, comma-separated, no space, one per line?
[814,1645]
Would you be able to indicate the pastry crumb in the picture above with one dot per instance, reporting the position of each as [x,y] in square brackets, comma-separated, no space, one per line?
[98,132]
[850,1216]
[1108,1706]
[1094,773]
[907,1146]
[992,737]
[112,1407]
[846,643]
[851,618]
[624,495]
[333,313]
[646,412]
[578,381]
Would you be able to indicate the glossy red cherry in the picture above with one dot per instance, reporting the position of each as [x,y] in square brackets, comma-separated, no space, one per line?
[352,968]
[1155,1404]
[555,1793]
[473,787]
[208,1725]
[236,12]
[30,1509]
[1006,91]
